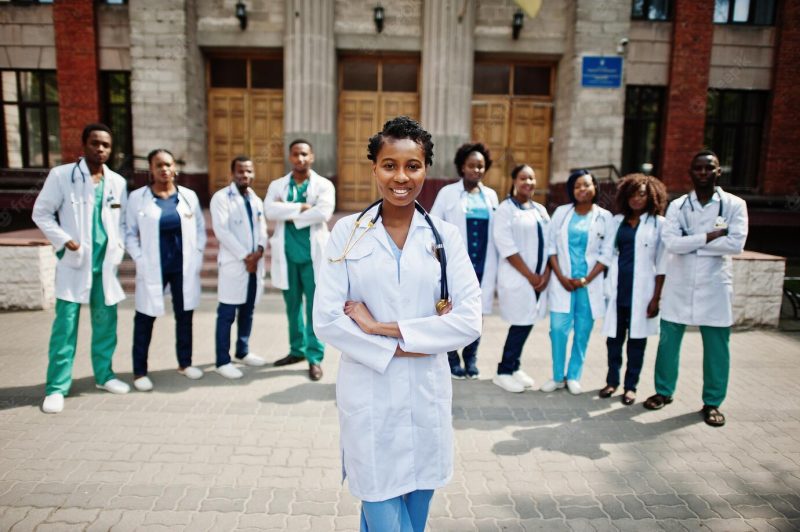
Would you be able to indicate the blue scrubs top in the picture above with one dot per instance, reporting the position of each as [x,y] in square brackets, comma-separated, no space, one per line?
[626,242]
[578,236]
[171,239]
[478,214]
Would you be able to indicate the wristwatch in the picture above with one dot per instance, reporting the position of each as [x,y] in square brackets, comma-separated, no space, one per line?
[583,281]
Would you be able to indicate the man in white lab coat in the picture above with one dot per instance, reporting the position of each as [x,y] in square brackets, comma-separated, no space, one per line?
[703,229]
[81,211]
[237,215]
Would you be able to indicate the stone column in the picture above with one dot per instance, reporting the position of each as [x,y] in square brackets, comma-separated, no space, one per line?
[447,67]
[589,122]
[75,24]
[309,79]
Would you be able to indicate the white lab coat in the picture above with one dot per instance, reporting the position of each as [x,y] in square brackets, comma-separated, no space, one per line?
[395,413]
[598,249]
[451,206]
[515,231]
[649,260]
[698,289]
[64,211]
[142,243]
[236,241]
[321,195]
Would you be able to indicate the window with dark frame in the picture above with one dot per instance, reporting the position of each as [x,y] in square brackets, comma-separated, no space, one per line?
[745,12]
[241,73]
[115,96]
[655,10]
[30,122]
[641,144]
[512,79]
[734,131]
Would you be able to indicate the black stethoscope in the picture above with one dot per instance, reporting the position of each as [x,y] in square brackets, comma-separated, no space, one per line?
[246,199]
[444,294]
[685,229]
[180,194]
[78,168]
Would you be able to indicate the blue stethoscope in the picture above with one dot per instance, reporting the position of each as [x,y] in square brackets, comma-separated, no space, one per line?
[688,198]
[444,294]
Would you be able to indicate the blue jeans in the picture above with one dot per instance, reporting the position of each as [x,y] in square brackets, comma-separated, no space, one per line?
[561,323]
[143,328]
[469,354]
[635,352]
[226,314]
[406,513]
[512,350]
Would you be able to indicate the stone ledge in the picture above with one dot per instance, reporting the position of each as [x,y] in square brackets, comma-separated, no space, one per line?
[757,289]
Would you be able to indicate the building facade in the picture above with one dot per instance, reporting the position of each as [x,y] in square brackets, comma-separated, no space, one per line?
[211,79]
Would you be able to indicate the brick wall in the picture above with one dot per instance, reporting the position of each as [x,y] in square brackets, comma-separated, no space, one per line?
[693,31]
[77,74]
[783,136]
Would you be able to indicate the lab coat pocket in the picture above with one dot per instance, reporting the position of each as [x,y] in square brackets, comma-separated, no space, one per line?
[360,266]
[115,254]
[73,259]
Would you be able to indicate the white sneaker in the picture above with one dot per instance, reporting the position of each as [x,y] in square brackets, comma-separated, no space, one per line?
[252,360]
[229,371]
[508,383]
[551,386]
[523,378]
[191,372]
[114,386]
[574,387]
[53,403]
[143,384]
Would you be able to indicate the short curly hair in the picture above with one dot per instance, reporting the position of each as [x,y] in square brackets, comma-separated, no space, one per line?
[573,177]
[656,194]
[464,151]
[401,127]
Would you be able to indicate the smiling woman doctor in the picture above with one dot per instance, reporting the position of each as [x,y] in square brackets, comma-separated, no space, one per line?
[383,301]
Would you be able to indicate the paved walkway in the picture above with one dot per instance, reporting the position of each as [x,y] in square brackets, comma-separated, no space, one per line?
[262,453]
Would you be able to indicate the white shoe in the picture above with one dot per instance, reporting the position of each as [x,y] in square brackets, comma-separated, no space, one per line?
[574,387]
[551,386]
[114,386]
[143,384]
[229,371]
[508,383]
[191,372]
[523,378]
[53,403]
[252,360]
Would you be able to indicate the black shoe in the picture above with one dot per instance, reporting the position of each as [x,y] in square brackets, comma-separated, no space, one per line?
[314,372]
[288,359]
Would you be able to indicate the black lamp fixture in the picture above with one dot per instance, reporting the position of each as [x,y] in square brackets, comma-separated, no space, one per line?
[517,23]
[241,14]
[377,16]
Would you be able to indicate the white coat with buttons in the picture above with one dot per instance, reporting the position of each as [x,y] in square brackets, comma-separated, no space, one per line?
[598,249]
[236,241]
[515,231]
[451,206]
[395,412]
[64,211]
[143,244]
[321,195]
[649,260]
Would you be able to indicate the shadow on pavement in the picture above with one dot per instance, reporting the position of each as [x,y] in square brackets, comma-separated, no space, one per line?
[309,391]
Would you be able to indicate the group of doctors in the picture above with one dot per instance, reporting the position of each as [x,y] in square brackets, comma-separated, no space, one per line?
[85,212]
[640,272]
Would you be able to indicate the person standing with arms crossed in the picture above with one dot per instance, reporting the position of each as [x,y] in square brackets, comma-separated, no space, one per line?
[301,203]
[703,229]
[81,211]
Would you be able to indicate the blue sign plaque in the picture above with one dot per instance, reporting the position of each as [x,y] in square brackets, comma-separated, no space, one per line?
[602,72]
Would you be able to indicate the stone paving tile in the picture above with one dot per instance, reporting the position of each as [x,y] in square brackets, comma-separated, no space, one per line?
[262,453]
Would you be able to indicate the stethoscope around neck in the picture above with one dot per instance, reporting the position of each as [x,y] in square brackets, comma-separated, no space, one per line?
[444,293]
[180,194]
[688,198]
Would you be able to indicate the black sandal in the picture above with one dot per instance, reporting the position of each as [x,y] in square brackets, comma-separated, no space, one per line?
[628,398]
[657,401]
[607,392]
[712,416]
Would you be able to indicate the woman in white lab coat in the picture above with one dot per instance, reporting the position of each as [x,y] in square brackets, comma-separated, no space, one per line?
[520,234]
[380,301]
[469,205]
[165,236]
[579,254]
[635,279]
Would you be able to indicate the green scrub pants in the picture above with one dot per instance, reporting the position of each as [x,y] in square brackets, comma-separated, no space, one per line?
[716,360]
[64,339]
[302,340]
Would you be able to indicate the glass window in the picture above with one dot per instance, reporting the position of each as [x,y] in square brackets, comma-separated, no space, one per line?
[531,80]
[266,73]
[734,130]
[399,77]
[491,78]
[229,73]
[30,120]
[650,10]
[360,75]
[116,107]
[641,143]
[754,12]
